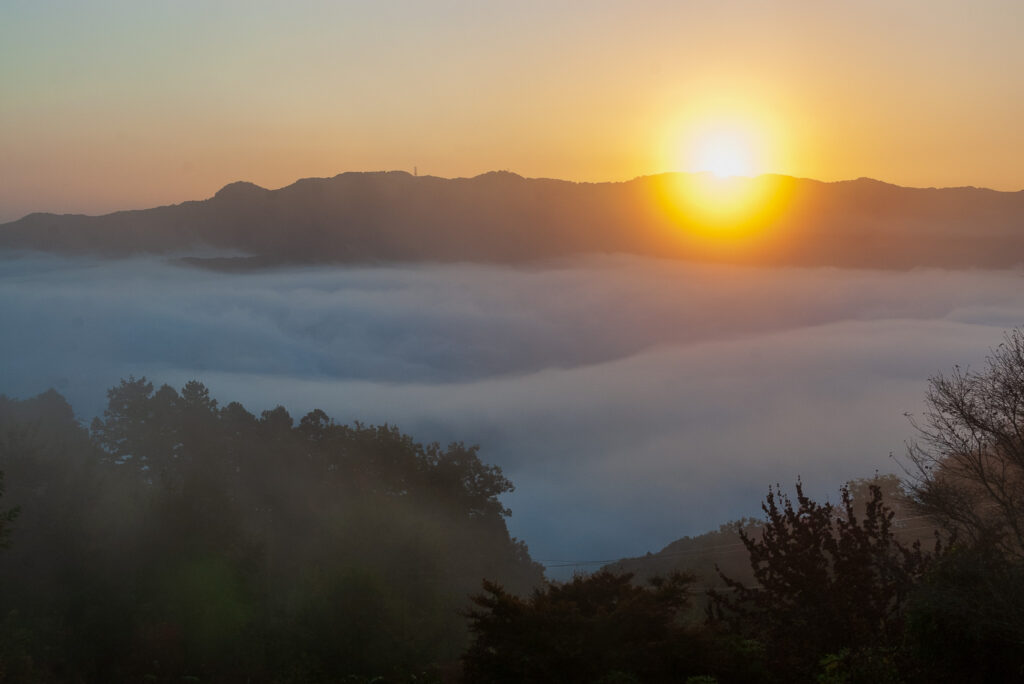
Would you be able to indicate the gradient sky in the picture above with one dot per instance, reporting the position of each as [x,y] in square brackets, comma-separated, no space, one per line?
[110,105]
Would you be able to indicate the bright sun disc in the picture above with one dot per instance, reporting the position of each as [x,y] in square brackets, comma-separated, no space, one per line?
[724,199]
[724,154]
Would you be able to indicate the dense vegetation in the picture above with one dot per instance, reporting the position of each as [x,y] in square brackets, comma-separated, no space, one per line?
[177,540]
[835,598]
[625,630]
[832,593]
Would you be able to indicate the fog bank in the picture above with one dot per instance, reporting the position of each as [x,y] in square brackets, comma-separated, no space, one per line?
[631,400]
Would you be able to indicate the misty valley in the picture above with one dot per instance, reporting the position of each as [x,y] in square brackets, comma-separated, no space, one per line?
[511,342]
[563,469]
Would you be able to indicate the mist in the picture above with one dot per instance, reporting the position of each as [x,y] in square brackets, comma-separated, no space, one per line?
[630,400]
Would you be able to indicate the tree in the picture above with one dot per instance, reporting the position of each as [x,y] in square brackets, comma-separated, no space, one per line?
[826,580]
[6,517]
[966,470]
[601,627]
[967,467]
[259,531]
[966,618]
[141,429]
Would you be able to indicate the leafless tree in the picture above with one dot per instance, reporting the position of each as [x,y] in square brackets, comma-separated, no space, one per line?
[966,468]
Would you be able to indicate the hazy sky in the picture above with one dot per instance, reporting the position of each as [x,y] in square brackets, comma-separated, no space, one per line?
[107,105]
[630,400]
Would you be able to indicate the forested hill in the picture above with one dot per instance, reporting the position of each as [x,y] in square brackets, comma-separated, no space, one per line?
[503,217]
[180,540]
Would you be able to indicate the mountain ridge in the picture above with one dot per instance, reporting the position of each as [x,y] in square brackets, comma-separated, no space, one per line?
[500,216]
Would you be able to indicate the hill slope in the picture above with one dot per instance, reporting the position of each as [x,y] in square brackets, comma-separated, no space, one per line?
[502,217]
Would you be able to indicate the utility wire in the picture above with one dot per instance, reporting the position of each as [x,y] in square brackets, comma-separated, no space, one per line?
[564,563]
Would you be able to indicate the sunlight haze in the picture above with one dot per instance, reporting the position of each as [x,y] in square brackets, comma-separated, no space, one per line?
[113,105]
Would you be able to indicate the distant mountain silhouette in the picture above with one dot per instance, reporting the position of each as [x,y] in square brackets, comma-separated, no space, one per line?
[502,217]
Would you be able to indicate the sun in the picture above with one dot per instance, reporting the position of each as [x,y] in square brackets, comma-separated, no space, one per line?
[724,197]
[743,141]
[724,154]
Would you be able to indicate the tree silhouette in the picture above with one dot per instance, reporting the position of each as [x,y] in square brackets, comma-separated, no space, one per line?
[601,627]
[967,467]
[6,517]
[966,618]
[826,580]
[180,539]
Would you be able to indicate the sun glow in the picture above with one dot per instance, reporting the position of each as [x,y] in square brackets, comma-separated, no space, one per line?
[724,203]
[724,154]
[731,217]
[723,200]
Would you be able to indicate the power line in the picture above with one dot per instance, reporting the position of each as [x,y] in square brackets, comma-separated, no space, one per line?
[564,563]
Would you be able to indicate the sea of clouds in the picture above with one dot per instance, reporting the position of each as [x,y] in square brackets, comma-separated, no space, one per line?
[631,400]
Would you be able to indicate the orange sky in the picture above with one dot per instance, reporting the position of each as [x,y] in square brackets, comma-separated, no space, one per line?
[107,105]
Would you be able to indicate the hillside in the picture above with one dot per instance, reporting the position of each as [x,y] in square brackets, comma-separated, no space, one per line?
[180,540]
[723,549]
[503,217]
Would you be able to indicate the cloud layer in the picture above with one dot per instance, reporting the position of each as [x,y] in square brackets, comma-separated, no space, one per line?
[632,401]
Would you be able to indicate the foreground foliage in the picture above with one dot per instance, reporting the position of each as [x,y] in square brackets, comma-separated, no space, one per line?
[6,517]
[599,628]
[182,541]
[827,580]
[836,599]
[179,538]
[967,466]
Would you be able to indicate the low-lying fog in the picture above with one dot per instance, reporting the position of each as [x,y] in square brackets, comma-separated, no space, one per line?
[632,401]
